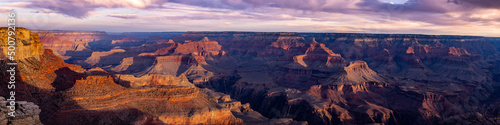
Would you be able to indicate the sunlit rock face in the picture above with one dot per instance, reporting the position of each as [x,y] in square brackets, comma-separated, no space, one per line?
[177,102]
[61,93]
[27,44]
[294,78]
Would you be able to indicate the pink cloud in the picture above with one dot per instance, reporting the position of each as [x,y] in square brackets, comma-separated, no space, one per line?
[124,16]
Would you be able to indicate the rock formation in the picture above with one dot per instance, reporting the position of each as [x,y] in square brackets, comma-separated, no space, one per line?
[170,103]
[290,78]
[26,113]
[68,94]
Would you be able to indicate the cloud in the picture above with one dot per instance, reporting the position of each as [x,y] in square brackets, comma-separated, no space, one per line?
[361,13]
[7,7]
[81,8]
[479,3]
[15,4]
[77,9]
[124,16]
[225,4]
[426,6]
[5,10]
[229,16]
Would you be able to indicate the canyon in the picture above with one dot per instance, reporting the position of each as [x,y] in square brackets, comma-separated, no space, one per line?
[91,77]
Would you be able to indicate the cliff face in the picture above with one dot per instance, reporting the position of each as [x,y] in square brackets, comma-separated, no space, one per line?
[117,55]
[30,57]
[74,45]
[204,47]
[169,103]
[316,54]
[37,71]
[68,94]
[190,58]
[426,71]
[153,79]
[28,44]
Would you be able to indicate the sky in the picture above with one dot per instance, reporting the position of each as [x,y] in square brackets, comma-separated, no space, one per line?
[437,17]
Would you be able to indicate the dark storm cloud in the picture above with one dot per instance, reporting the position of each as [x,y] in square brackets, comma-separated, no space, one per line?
[479,3]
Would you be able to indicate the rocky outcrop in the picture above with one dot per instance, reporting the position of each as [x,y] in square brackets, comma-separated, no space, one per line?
[405,66]
[95,58]
[121,55]
[153,80]
[275,44]
[167,65]
[131,65]
[321,104]
[75,45]
[189,59]
[26,113]
[171,104]
[359,72]
[59,45]
[204,47]
[245,112]
[318,56]
[317,62]
[28,45]
[77,36]
[29,57]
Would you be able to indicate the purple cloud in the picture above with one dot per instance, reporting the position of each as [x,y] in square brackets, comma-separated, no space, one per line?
[438,12]
[124,16]
[5,10]
[81,8]
[479,3]
[74,8]
[228,16]
[426,6]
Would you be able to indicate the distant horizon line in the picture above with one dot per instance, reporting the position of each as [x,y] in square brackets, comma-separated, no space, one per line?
[271,32]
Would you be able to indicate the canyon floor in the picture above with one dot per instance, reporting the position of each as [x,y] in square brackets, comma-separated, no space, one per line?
[264,78]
